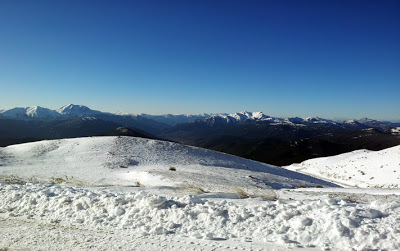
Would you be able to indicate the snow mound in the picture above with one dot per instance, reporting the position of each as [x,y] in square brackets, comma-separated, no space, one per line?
[328,224]
[362,168]
[133,161]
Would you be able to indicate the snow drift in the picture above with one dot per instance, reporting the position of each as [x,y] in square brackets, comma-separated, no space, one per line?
[330,223]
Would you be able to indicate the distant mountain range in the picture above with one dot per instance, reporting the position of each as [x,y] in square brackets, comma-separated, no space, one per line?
[70,110]
[37,112]
[253,135]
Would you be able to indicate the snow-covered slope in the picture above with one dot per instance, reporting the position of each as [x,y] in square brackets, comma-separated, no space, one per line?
[360,168]
[40,112]
[131,161]
[173,210]
[17,112]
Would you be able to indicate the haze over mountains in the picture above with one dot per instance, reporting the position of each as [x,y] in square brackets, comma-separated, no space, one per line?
[253,135]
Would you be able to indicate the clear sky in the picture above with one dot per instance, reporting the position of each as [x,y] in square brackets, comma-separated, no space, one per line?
[334,59]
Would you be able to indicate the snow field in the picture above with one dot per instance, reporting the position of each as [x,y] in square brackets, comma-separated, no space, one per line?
[327,223]
[361,168]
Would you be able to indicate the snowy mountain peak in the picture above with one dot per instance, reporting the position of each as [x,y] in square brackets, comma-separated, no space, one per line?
[364,120]
[30,112]
[17,112]
[312,119]
[295,120]
[317,120]
[40,112]
[76,110]
[361,121]
[225,119]
[242,116]
[253,115]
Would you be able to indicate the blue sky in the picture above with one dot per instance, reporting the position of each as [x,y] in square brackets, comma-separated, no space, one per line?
[334,59]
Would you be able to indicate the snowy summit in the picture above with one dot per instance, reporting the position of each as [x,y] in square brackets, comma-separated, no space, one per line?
[30,112]
[77,110]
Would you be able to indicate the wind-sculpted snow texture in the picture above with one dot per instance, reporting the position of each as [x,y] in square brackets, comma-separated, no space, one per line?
[362,168]
[330,223]
[128,161]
